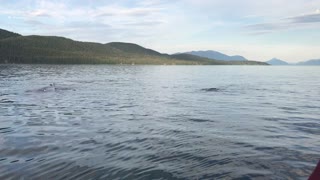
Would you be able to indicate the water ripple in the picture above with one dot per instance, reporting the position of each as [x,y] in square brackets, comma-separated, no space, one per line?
[154,122]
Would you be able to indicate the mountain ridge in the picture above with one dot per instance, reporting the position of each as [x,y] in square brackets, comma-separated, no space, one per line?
[211,54]
[277,62]
[7,34]
[311,62]
[15,48]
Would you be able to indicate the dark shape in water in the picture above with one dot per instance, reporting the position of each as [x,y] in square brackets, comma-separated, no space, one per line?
[45,89]
[51,88]
[211,89]
[316,173]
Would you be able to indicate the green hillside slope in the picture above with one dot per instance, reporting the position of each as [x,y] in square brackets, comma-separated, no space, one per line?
[15,48]
[7,34]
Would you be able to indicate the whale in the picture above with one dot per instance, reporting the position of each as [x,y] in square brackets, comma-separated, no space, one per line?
[51,88]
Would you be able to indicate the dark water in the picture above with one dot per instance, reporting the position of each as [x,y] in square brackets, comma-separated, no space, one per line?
[159,122]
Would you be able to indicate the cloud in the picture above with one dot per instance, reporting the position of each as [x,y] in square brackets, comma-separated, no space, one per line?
[86,24]
[145,23]
[92,21]
[159,23]
[310,18]
[121,11]
[295,22]
[34,22]
[268,26]
[39,13]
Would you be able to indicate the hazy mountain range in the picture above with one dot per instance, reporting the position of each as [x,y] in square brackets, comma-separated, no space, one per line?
[217,55]
[310,62]
[15,48]
[223,57]
[278,62]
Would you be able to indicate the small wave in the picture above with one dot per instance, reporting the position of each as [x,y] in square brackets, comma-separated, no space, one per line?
[309,130]
[288,108]
[242,144]
[211,89]
[127,106]
[275,119]
[91,141]
[6,130]
[6,101]
[83,81]
[310,107]
[264,148]
[199,120]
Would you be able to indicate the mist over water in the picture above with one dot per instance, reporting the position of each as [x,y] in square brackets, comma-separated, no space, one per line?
[165,122]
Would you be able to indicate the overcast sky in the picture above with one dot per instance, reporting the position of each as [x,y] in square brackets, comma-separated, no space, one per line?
[256,29]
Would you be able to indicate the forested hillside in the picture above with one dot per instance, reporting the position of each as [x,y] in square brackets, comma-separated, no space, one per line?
[15,48]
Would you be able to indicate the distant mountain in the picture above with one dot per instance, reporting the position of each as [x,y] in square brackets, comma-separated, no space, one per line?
[15,48]
[216,55]
[277,62]
[312,62]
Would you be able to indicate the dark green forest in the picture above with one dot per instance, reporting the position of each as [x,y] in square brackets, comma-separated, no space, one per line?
[15,48]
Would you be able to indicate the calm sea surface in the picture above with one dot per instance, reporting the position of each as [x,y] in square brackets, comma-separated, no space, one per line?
[158,122]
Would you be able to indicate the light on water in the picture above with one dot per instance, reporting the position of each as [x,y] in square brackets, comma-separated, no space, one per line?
[165,122]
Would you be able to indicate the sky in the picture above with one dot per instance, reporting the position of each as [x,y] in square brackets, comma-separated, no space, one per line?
[256,29]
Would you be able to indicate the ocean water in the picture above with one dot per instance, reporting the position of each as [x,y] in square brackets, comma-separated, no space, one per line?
[158,122]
